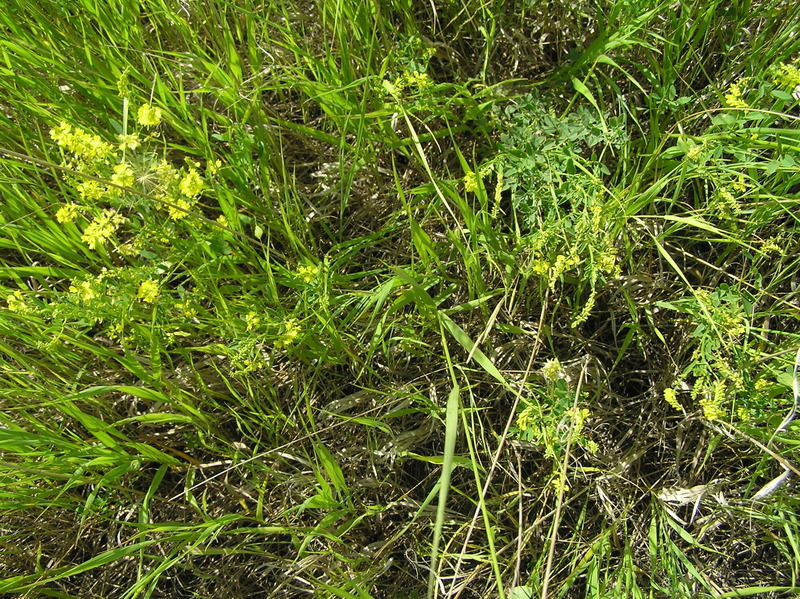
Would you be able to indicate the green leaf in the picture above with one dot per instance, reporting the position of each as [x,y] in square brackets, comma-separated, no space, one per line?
[463,339]
[332,468]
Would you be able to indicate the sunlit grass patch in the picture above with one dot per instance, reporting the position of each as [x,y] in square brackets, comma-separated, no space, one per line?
[398,300]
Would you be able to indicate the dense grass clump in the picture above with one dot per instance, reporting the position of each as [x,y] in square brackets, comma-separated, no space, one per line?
[394,299]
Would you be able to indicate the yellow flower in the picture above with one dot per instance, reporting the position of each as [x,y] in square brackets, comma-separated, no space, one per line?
[734,97]
[62,133]
[712,400]
[67,213]
[419,80]
[671,399]
[527,419]
[128,142]
[123,175]
[607,261]
[290,332]
[252,319]
[148,291]
[166,172]
[179,210]
[212,167]
[579,417]
[552,370]
[788,77]
[741,184]
[84,291]
[148,115]
[90,190]
[115,331]
[470,182]
[16,302]
[102,228]
[186,309]
[191,184]
[308,273]
[560,484]
[562,265]
[80,143]
[540,267]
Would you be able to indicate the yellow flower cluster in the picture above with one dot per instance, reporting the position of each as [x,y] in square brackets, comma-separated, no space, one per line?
[671,398]
[148,291]
[308,273]
[528,419]
[80,143]
[90,189]
[290,332]
[123,176]
[83,290]
[128,142]
[552,370]
[187,309]
[16,302]
[579,416]
[712,399]
[415,80]
[562,265]
[725,202]
[788,77]
[734,98]
[67,213]
[102,228]
[190,186]
[470,182]
[252,319]
[148,115]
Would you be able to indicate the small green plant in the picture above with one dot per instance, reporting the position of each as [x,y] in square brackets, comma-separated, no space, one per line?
[548,414]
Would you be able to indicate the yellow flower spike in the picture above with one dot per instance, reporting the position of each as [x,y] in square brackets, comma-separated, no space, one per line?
[90,190]
[470,182]
[671,398]
[788,77]
[62,133]
[148,115]
[734,97]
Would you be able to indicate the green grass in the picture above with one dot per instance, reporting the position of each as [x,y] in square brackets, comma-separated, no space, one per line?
[477,299]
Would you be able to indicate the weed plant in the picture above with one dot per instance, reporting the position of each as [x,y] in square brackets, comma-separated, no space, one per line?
[394,299]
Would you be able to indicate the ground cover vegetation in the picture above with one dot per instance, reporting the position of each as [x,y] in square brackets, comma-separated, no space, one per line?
[399,299]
